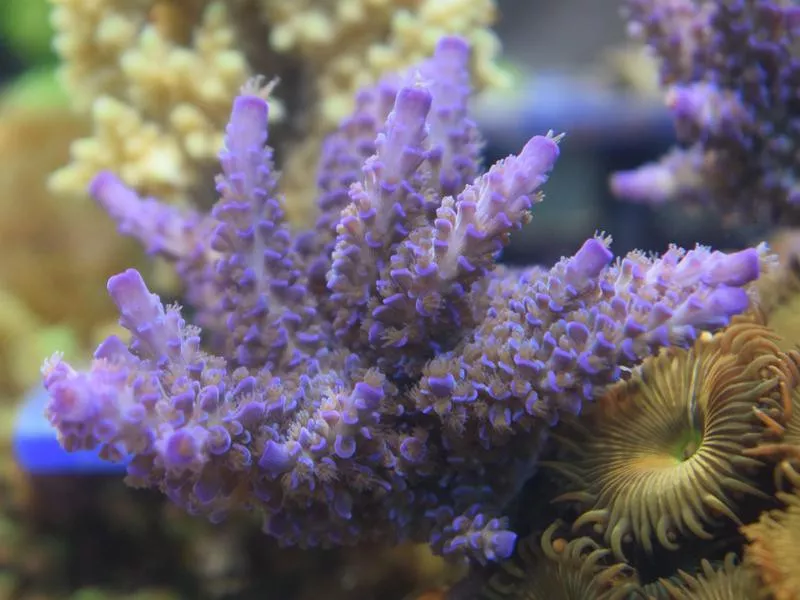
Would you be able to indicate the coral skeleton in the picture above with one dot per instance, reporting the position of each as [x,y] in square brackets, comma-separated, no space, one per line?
[378,377]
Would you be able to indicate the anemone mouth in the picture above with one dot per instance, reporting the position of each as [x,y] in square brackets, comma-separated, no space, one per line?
[774,543]
[553,568]
[728,581]
[662,456]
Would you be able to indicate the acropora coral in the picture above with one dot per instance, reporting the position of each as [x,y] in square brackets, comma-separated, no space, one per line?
[133,65]
[730,69]
[378,378]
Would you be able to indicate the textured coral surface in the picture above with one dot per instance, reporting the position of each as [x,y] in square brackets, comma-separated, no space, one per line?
[378,379]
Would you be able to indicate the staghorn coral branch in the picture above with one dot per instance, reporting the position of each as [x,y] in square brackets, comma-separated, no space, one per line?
[258,277]
[454,138]
[165,230]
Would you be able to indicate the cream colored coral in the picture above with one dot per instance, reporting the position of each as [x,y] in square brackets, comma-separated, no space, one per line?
[415,33]
[159,106]
[351,43]
[634,68]
[142,152]
[159,76]
[92,35]
[309,27]
[56,255]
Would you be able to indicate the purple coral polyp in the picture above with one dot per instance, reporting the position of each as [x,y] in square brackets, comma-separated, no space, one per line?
[379,378]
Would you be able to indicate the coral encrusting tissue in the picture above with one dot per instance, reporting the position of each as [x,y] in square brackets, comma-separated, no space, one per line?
[663,456]
[731,70]
[378,378]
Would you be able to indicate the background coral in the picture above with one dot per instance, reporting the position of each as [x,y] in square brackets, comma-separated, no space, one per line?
[772,540]
[731,69]
[134,65]
[47,246]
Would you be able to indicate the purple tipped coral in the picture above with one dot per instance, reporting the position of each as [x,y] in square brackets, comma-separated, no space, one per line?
[378,378]
[732,71]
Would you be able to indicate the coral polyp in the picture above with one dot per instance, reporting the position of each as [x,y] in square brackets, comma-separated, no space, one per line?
[784,446]
[552,568]
[662,456]
[730,581]
[774,545]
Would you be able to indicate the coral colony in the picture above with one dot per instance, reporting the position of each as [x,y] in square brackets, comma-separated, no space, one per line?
[731,70]
[379,377]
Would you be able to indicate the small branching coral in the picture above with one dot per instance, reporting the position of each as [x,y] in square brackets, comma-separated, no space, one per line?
[377,378]
[662,455]
[731,69]
[560,569]
[774,542]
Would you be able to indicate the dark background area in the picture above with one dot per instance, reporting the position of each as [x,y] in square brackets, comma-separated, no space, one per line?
[10,64]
